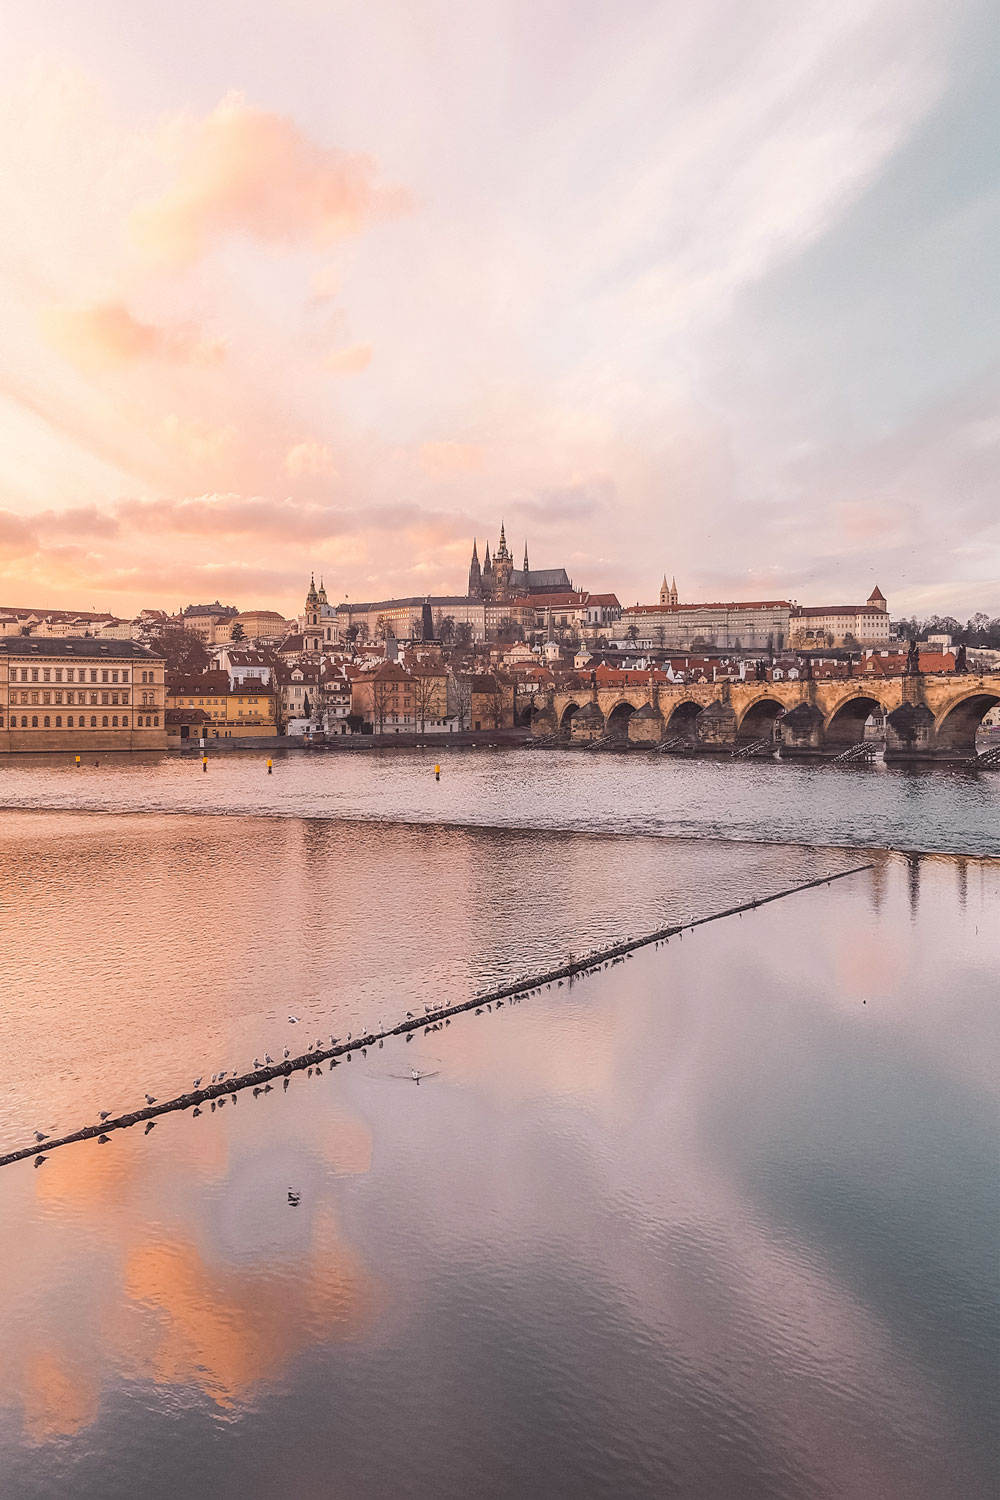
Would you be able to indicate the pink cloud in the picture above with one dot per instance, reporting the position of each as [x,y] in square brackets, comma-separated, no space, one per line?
[349,361]
[107,334]
[248,171]
[306,460]
[450,458]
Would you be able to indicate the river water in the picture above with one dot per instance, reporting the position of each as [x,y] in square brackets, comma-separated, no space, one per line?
[721,1220]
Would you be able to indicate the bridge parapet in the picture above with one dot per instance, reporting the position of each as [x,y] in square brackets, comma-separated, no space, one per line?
[817,718]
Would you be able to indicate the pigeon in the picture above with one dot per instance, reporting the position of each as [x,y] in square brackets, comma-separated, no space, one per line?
[195,1111]
[256,1064]
[105,1115]
[102,1140]
[39,1160]
[196,1084]
[268,1058]
[150,1125]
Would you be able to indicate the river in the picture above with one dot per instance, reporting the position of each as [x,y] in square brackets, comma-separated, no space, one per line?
[719,1220]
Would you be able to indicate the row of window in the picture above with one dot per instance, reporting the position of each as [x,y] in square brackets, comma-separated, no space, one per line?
[55,674]
[81,696]
[144,721]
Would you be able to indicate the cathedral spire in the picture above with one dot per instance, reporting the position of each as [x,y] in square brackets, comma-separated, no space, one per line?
[526,568]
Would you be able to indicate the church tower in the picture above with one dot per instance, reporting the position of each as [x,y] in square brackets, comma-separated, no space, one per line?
[527,570]
[503,566]
[312,633]
[475,575]
[668,592]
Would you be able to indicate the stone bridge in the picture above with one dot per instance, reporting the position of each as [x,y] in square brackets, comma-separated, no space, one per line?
[928,717]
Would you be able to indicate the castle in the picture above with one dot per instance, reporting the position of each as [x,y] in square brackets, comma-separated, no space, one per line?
[497,579]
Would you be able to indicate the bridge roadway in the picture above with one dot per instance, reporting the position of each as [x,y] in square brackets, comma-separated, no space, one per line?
[928,716]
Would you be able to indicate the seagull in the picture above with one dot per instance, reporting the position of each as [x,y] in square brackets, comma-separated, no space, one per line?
[409,1015]
[256,1064]
[39,1160]
[286,1054]
[268,1058]
[102,1140]
[104,1115]
[196,1084]
[414,1075]
[293,1020]
[195,1111]
[150,1098]
[150,1125]
[40,1136]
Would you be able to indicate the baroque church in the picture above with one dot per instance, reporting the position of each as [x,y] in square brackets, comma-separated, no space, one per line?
[497,579]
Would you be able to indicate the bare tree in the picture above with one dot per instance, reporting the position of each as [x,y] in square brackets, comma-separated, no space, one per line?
[425,688]
[463,633]
[461,697]
[380,702]
[495,699]
[446,630]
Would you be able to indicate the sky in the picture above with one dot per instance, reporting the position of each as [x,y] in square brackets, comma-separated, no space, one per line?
[705,290]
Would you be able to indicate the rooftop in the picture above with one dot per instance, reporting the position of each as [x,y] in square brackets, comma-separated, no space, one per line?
[92,647]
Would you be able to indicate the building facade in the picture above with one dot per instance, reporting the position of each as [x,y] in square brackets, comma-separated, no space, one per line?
[80,694]
[841,625]
[757,625]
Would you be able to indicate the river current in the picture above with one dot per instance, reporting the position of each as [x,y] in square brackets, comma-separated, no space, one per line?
[720,1220]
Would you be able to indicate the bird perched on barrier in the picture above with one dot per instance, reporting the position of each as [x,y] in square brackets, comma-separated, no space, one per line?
[195,1111]
[104,1115]
[40,1135]
[102,1140]
[150,1098]
[196,1084]
[150,1125]
[286,1054]
[268,1058]
[256,1064]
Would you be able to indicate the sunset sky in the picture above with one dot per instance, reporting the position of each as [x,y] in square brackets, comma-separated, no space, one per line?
[702,288]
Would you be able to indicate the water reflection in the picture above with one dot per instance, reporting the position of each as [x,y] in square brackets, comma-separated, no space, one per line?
[717,1221]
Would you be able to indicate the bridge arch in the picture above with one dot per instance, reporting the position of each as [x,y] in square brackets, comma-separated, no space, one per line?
[682,718]
[566,718]
[616,720]
[758,719]
[846,724]
[957,725]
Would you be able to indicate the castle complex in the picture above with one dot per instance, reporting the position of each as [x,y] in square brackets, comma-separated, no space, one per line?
[498,580]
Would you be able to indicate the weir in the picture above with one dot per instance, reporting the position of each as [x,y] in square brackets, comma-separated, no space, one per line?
[587,964]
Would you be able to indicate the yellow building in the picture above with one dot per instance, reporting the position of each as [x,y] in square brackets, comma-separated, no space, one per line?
[80,694]
[248,709]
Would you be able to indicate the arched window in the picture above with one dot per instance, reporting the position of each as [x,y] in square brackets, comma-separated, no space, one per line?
[114,721]
[104,722]
[93,721]
[34,721]
[69,722]
[47,724]
[125,720]
[58,721]
[156,721]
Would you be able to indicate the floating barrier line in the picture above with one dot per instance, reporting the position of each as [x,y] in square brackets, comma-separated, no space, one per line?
[586,964]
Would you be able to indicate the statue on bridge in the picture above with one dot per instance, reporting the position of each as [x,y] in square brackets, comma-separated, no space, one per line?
[912,668]
[961,662]
[760,671]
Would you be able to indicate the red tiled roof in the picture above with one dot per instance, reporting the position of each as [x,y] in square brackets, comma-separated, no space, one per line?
[671,609]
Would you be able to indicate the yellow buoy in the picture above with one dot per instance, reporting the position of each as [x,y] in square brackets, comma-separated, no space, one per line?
[78,760]
[270,767]
[437,773]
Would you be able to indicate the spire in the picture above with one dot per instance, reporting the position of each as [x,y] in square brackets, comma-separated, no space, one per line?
[487,565]
[322,592]
[526,568]
[475,554]
[312,597]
